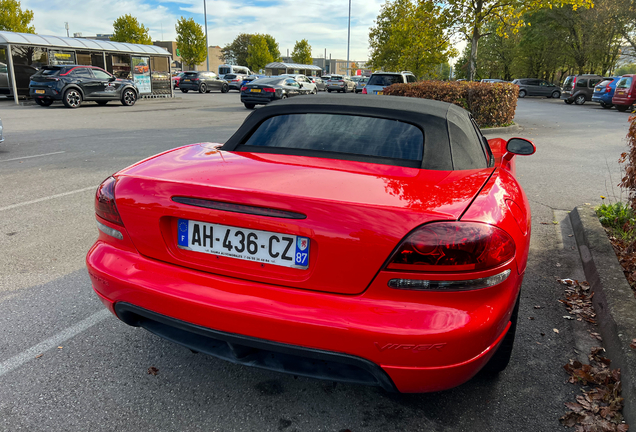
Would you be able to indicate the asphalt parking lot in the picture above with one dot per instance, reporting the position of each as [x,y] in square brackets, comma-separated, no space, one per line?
[66,364]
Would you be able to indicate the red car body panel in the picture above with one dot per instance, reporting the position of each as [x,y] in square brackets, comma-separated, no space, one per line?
[423,340]
[346,203]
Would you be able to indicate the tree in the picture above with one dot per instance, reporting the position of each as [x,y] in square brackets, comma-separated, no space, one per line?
[302,53]
[13,18]
[258,53]
[237,52]
[191,41]
[410,35]
[472,17]
[126,28]
[273,48]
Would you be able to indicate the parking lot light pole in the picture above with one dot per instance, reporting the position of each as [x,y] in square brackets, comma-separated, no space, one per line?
[207,51]
[348,37]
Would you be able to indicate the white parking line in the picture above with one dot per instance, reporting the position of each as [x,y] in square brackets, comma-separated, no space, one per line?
[28,157]
[12,206]
[52,342]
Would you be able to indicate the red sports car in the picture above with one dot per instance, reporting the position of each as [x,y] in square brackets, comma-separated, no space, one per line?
[367,240]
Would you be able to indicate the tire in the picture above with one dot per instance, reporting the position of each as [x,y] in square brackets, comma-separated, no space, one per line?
[225,88]
[522,94]
[72,98]
[579,99]
[249,106]
[43,102]
[203,88]
[622,108]
[128,97]
[184,90]
[102,103]
[283,97]
[329,90]
[555,94]
[568,101]
[501,358]
[315,91]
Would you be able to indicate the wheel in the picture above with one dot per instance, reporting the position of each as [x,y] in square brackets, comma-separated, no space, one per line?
[501,358]
[249,106]
[184,90]
[329,90]
[522,93]
[102,103]
[621,108]
[568,101]
[203,88]
[128,97]
[225,88]
[43,102]
[555,94]
[283,97]
[606,105]
[72,98]
[315,91]
[579,99]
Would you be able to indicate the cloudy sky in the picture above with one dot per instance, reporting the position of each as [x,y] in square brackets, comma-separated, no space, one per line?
[322,22]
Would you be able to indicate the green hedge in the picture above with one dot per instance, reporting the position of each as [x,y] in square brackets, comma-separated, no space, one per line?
[490,104]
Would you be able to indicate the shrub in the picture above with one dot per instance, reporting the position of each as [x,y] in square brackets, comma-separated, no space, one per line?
[619,218]
[629,160]
[490,104]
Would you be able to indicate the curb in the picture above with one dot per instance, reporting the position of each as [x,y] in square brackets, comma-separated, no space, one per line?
[497,130]
[613,300]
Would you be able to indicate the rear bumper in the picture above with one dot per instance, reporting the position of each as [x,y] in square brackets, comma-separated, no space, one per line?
[257,100]
[623,100]
[49,93]
[421,346]
[602,98]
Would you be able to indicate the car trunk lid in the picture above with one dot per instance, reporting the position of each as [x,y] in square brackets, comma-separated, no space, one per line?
[354,214]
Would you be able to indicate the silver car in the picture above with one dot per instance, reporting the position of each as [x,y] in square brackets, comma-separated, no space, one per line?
[340,83]
[380,80]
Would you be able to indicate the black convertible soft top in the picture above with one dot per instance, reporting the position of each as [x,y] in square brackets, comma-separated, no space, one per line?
[451,140]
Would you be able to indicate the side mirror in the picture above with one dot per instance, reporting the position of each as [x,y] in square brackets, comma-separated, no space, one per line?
[518,146]
[301,86]
[112,78]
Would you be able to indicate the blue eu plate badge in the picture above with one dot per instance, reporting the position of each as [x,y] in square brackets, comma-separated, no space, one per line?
[183,232]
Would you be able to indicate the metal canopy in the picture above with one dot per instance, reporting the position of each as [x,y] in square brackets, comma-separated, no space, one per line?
[278,65]
[79,43]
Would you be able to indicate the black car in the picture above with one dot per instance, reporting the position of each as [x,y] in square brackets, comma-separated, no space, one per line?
[73,84]
[266,90]
[536,87]
[203,82]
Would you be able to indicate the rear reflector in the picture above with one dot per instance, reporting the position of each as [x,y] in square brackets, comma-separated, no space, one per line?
[239,208]
[243,88]
[461,285]
[110,231]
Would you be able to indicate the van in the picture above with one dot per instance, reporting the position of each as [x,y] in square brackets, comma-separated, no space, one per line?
[579,88]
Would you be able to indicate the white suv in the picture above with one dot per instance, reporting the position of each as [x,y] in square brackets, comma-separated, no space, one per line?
[379,80]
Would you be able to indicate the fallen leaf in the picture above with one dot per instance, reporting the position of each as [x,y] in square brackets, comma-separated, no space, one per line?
[39,355]
[568,317]
[633,344]
[555,330]
[153,371]
[537,307]
[59,347]
[542,334]
[531,318]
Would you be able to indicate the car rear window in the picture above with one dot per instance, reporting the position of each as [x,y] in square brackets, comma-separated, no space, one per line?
[604,83]
[624,82]
[189,74]
[568,81]
[268,81]
[341,133]
[385,80]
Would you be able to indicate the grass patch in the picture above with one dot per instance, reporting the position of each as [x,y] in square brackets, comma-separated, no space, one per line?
[619,218]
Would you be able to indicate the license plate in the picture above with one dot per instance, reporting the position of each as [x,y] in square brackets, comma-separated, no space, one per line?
[255,90]
[186,80]
[246,244]
[597,89]
[40,91]
[379,93]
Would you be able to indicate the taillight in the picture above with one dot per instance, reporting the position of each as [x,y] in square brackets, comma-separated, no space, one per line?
[608,89]
[269,90]
[453,246]
[243,88]
[364,91]
[105,202]
[574,83]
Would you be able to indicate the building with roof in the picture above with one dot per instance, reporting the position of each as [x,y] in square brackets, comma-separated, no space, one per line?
[279,68]
[22,54]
